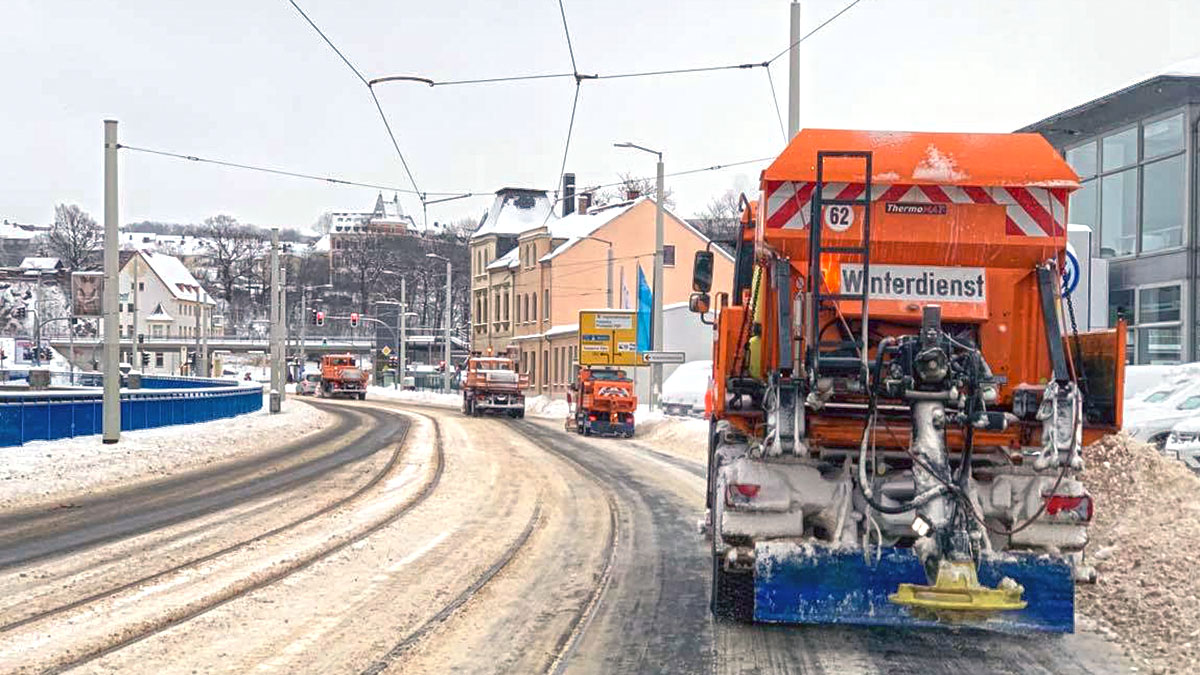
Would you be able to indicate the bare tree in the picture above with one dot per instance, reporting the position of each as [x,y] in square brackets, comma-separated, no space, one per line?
[719,220]
[233,250]
[631,186]
[75,237]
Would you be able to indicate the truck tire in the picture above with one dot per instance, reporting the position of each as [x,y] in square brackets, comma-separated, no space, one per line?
[520,414]
[362,396]
[732,593]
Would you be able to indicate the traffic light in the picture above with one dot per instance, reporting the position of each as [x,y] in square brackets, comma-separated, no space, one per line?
[19,312]
[320,318]
[354,319]
[145,358]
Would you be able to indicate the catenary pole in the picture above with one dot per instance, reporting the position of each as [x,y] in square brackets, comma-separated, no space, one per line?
[112,374]
[274,262]
[659,290]
[794,74]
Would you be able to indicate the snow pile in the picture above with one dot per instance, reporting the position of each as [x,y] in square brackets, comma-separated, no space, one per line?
[938,168]
[684,436]
[1146,524]
[1140,379]
[688,384]
[544,406]
[44,471]
[433,398]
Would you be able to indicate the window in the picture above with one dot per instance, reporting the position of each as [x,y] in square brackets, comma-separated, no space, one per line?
[1120,149]
[1190,403]
[506,306]
[156,330]
[1133,188]
[141,285]
[1162,137]
[1118,213]
[1155,318]
[546,366]
[668,255]
[158,359]
[546,302]
[534,310]
[1083,160]
[1162,204]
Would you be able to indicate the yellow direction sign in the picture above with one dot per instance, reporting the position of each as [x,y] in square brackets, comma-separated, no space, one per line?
[608,337]
[387,351]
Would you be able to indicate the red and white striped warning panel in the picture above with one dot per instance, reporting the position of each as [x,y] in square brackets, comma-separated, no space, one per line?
[1030,211]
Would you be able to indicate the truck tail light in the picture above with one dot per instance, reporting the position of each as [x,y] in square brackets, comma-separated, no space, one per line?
[591,418]
[740,493]
[1072,507]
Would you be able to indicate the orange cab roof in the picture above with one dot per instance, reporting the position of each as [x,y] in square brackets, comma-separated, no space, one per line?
[926,158]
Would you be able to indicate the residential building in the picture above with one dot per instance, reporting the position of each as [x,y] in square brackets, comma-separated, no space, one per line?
[1135,152]
[171,304]
[18,241]
[532,273]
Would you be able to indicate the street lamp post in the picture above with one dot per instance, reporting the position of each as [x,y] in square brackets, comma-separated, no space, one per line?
[656,328]
[446,346]
[609,287]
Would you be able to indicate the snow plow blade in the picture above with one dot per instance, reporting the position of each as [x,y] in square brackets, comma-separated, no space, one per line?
[807,584]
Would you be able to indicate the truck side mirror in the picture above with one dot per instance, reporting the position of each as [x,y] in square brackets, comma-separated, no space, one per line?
[702,272]
[699,303]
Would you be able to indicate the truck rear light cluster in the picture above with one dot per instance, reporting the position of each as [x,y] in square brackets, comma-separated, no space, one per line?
[740,493]
[1067,507]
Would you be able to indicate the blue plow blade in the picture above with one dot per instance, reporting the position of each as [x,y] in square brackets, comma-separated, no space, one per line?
[813,584]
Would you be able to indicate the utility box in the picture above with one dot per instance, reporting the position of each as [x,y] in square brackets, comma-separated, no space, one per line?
[39,378]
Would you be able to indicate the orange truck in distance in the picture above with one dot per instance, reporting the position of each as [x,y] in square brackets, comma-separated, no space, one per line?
[342,376]
[604,402]
[491,384]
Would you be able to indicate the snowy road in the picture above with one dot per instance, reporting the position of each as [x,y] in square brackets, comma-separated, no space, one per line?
[474,545]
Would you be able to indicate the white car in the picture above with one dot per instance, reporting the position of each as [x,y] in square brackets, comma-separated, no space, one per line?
[1153,424]
[1162,396]
[683,392]
[1184,442]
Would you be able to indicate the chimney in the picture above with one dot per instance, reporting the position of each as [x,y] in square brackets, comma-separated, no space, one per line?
[568,191]
[585,202]
[632,193]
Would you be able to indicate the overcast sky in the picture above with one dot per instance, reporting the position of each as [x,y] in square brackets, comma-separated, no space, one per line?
[249,81]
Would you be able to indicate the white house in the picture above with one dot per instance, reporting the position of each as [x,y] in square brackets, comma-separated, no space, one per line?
[170,304]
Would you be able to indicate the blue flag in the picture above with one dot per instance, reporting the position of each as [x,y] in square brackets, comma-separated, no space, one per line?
[645,302]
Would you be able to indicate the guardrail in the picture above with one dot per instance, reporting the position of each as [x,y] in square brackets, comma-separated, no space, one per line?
[50,415]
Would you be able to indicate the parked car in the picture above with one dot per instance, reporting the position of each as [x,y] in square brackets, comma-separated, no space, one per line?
[683,392]
[1184,442]
[308,386]
[1164,395]
[1153,424]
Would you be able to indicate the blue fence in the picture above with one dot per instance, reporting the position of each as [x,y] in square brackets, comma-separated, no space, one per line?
[49,415]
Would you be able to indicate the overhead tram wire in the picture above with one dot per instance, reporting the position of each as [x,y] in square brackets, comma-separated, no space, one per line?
[366,83]
[812,32]
[775,100]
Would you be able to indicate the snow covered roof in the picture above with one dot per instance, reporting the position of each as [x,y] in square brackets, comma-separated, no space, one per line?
[14,231]
[159,314]
[516,210]
[576,226]
[321,245]
[560,330]
[45,264]
[176,277]
[510,260]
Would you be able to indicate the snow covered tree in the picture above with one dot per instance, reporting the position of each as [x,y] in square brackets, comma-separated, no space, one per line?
[74,238]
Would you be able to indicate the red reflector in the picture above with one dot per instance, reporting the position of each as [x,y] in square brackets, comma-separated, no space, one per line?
[591,418]
[1081,505]
[747,489]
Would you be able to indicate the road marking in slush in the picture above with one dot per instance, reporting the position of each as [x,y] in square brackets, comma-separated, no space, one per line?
[429,546]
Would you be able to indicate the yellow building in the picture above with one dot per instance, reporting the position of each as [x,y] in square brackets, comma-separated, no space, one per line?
[533,272]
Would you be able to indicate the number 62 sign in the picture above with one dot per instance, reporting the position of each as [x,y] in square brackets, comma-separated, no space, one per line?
[838,217]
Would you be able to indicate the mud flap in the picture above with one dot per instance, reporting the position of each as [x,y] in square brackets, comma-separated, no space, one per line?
[799,583]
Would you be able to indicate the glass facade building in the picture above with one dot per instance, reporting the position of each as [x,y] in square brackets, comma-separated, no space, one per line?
[1135,153]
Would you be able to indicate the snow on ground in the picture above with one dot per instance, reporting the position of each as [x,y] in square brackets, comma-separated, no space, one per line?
[42,471]
[1146,526]
[432,398]
[544,406]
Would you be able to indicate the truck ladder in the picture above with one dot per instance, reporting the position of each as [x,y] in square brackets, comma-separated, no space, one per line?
[829,357]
